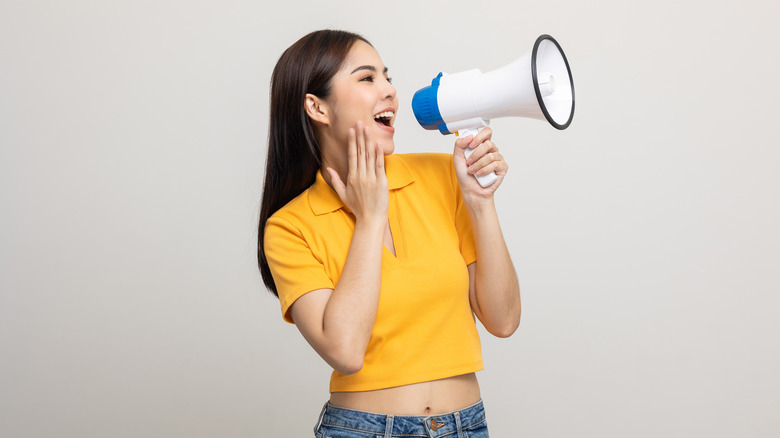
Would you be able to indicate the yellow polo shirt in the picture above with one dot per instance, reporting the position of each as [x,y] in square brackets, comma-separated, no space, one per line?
[425,329]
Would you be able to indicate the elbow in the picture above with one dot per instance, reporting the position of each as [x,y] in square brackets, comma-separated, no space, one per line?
[505,331]
[510,323]
[347,366]
[347,359]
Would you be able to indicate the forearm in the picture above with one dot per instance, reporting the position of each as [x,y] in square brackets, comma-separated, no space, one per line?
[351,310]
[496,290]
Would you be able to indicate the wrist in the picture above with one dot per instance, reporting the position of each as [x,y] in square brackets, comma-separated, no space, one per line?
[479,204]
[371,223]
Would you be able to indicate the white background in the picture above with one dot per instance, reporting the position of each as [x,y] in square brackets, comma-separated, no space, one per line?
[645,236]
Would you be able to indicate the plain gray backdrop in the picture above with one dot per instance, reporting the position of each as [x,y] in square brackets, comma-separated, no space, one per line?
[645,236]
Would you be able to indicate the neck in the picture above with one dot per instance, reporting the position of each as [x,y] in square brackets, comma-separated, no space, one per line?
[335,157]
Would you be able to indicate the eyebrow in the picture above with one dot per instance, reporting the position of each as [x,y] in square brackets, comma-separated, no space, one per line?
[367,67]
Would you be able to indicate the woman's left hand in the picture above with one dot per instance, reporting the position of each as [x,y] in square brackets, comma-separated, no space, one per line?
[494,292]
[482,161]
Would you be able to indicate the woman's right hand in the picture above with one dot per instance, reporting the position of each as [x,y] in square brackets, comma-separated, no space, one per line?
[365,192]
[338,322]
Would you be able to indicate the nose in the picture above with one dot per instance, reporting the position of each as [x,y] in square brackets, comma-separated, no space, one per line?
[389,90]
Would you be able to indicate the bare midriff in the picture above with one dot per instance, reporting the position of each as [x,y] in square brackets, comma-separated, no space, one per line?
[426,398]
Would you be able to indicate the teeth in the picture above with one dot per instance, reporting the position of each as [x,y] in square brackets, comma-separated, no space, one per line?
[386,114]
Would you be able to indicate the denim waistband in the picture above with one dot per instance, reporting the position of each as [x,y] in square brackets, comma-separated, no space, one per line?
[412,426]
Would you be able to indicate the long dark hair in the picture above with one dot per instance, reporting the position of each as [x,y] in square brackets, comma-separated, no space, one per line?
[293,152]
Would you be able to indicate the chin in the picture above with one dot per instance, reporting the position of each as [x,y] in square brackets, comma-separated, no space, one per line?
[388,149]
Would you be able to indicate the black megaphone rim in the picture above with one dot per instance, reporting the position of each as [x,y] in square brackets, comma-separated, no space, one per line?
[536,83]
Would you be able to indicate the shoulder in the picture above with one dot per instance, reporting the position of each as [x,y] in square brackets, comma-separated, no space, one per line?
[425,160]
[429,167]
[294,215]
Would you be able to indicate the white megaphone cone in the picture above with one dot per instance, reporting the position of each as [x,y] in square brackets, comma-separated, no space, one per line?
[538,85]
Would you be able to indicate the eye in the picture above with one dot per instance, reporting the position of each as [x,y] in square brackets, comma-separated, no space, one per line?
[389,79]
[369,78]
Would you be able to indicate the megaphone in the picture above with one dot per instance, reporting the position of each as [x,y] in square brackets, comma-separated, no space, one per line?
[538,85]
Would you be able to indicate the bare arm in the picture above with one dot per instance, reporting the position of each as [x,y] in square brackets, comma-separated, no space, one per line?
[494,291]
[338,322]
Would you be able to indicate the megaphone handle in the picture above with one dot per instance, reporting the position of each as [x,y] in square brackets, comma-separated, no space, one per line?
[484,180]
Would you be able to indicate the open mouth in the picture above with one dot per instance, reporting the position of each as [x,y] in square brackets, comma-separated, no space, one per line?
[384,118]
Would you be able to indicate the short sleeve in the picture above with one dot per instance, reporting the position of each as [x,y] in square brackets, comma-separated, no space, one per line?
[468,248]
[295,268]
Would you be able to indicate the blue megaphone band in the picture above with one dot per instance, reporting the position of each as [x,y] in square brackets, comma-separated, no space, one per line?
[425,105]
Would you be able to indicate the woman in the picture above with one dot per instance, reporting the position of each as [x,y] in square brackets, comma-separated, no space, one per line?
[373,255]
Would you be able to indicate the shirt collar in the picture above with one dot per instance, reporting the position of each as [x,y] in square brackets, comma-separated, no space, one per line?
[323,199]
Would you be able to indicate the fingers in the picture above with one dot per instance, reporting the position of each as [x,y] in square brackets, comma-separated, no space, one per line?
[481,154]
[480,145]
[365,191]
[492,162]
[486,134]
[351,153]
[361,149]
[484,157]
[370,157]
[380,160]
[462,143]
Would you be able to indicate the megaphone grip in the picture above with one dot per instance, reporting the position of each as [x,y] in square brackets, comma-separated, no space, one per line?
[484,180]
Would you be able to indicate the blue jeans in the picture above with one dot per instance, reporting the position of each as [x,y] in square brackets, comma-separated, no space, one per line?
[335,422]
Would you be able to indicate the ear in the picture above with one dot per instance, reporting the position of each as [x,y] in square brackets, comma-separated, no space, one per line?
[317,109]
